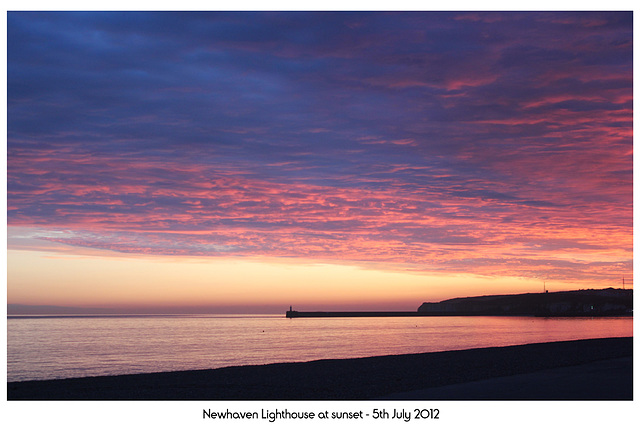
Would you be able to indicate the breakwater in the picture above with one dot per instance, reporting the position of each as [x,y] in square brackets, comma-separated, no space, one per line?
[298,314]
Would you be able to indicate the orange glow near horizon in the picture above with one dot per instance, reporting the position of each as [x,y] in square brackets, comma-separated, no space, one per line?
[152,282]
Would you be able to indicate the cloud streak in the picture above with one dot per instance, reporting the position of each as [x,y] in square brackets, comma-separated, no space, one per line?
[487,143]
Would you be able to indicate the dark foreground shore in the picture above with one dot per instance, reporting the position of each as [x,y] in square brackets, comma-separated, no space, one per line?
[597,369]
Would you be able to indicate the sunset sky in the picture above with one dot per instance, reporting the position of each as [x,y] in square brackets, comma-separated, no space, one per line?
[252,161]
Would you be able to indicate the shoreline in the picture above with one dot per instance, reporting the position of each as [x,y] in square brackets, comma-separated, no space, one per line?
[364,378]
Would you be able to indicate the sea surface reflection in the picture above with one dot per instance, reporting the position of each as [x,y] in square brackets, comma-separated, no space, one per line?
[59,347]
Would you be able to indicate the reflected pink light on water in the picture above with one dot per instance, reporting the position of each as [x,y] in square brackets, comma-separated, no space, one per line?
[64,347]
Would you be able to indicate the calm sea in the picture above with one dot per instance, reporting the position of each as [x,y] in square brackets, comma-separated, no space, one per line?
[63,347]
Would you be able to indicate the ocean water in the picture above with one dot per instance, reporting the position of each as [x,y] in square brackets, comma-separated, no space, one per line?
[64,347]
